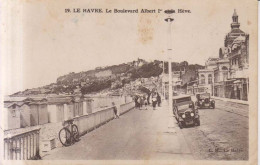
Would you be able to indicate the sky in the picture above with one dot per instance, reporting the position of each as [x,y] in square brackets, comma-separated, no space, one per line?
[42,42]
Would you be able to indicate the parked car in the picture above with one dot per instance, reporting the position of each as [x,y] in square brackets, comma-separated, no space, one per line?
[204,101]
[185,111]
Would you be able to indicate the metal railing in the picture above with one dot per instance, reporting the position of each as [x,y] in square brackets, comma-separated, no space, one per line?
[24,146]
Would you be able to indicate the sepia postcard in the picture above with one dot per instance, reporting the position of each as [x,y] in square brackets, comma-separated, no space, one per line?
[128,82]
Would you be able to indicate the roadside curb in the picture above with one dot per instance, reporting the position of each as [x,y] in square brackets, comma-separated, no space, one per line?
[232,100]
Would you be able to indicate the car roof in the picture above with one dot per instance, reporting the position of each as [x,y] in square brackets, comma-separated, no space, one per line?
[180,96]
[202,93]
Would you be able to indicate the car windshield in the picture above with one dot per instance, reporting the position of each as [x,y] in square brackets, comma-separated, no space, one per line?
[205,95]
[183,107]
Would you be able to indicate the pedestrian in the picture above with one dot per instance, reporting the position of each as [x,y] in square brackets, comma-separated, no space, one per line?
[139,102]
[154,100]
[159,100]
[136,103]
[116,115]
[148,98]
[145,102]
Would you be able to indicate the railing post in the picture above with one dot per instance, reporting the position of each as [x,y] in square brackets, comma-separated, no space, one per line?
[33,145]
[20,148]
[8,149]
[23,147]
[27,147]
[11,149]
[4,150]
[30,145]
[37,154]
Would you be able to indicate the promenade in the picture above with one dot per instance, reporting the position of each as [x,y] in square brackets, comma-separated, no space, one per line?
[154,134]
[138,134]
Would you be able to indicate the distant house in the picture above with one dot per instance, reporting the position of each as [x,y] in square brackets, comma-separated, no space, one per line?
[43,90]
[105,73]
[83,83]
[75,80]
[98,68]
[139,62]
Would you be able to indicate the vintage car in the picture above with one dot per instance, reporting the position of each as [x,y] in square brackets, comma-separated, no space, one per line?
[185,111]
[204,101]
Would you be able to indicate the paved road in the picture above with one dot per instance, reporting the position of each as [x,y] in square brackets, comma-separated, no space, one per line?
[223,134]
[148,134]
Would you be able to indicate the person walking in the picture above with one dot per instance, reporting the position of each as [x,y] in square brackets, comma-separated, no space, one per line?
[145,102]
[136,102]
[154,100]
[148,98]
[116,115]
[141,102]
[159,100]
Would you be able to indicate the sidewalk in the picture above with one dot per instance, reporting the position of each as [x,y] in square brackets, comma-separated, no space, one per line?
[138,135]
[231,100]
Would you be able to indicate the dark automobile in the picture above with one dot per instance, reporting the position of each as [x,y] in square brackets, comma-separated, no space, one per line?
[185,111]
[204,101]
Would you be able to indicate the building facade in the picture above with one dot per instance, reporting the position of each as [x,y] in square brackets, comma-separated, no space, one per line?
[227,75]
[231,74]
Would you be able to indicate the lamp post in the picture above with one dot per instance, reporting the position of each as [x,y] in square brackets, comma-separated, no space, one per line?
[163,84]
[169,20]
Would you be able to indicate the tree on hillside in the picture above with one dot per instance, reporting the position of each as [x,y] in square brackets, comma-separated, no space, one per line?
[96,86]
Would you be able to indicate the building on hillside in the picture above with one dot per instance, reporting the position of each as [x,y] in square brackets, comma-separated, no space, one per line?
[176,82]
[105,73]
[189,76]
[139,63]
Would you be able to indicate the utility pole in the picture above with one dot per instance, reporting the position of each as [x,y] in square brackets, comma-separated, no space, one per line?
[169,20]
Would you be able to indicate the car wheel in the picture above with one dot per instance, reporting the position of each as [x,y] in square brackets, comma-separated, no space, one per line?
[198,122]
[180,125]
[177,119]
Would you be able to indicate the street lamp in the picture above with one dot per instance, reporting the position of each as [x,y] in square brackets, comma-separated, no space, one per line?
[163,84]
[169,20]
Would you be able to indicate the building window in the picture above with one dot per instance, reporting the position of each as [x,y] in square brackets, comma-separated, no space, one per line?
[224,68]
[202,79]
[13,113]
[210,79]
[225,76]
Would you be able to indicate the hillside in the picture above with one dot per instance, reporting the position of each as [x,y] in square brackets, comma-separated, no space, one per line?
[111,77]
